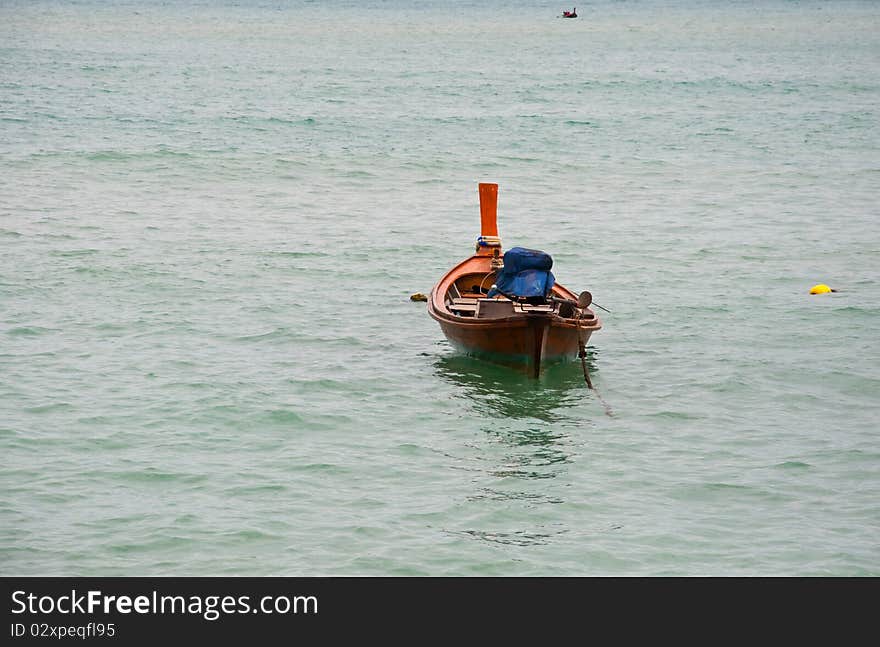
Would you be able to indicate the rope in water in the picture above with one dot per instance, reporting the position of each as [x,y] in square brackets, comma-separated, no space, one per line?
[582,353]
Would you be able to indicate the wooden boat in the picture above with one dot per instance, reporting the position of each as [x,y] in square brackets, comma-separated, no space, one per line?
[520,331]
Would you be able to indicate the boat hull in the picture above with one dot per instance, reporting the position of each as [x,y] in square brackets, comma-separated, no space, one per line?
[530,344]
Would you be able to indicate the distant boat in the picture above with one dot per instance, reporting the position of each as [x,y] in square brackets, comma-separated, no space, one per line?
[570,14]
[509,309]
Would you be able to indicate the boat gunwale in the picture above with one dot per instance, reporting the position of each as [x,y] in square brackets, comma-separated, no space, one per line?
[439,310]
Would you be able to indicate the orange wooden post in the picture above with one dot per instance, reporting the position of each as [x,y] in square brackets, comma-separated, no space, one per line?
[488,209]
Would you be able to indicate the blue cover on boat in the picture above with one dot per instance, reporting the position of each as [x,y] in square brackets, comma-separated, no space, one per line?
[526,274]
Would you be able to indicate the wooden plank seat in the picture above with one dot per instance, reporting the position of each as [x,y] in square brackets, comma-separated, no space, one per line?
[464,305]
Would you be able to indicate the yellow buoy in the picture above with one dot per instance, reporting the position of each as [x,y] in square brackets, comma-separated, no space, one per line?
[821,288]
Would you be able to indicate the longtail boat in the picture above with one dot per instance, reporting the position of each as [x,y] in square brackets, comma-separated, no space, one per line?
[508,308]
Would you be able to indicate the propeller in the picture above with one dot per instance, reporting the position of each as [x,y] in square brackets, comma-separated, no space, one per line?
[584,300]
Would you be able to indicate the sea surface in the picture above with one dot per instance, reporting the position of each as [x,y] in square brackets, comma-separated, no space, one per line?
[212,216]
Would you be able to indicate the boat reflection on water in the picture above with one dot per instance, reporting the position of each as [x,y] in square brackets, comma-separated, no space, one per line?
[527,437]
[531,420]
[501,392]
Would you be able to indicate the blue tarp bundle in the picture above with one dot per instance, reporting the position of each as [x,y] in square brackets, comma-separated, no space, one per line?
[526,274]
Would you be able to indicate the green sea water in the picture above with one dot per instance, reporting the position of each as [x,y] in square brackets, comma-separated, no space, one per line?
[212,215]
